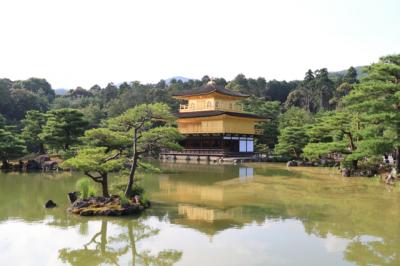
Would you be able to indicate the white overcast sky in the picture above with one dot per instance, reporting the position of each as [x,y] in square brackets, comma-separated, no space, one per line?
[84,42]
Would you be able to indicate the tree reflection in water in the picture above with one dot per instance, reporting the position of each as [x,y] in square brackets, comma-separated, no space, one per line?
[104,249]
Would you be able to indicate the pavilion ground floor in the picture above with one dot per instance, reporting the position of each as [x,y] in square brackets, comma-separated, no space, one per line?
[213,147]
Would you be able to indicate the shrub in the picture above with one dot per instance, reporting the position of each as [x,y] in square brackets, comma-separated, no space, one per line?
[123,200]
[85,188]
[136,189]
[144,200]
[65,155]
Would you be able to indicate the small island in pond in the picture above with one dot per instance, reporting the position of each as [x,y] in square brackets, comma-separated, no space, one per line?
[111,206]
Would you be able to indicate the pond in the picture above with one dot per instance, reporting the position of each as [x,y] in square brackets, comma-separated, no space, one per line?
[252,214]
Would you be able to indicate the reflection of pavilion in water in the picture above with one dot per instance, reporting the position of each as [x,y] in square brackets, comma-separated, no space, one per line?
[189,191]
[206,214]
[209,207]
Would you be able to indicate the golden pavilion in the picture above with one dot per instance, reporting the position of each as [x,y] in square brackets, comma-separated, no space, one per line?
[213,122]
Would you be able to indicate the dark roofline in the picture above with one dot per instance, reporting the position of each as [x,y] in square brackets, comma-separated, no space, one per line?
[210,88]
[216,113]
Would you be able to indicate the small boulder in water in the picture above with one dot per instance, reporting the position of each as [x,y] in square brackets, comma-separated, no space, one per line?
[50,204]
[72,196]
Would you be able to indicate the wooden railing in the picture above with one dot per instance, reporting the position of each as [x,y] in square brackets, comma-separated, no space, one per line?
[197,152]
[203,152]
[217,129]
[234,108]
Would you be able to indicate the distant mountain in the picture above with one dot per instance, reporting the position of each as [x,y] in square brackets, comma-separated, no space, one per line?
[183,79]
[61,91]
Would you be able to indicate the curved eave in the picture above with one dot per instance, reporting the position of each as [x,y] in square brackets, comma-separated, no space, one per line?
[183,97]
[209,89]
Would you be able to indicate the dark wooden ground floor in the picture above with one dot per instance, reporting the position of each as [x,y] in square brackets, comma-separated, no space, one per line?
[216,145]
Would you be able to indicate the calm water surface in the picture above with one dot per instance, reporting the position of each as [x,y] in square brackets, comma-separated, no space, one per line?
[254,214]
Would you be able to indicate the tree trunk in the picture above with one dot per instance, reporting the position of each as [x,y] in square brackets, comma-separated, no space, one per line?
[354,164]
[104,185]
[41,149]
[128,190]
[132,242]
[131,181]
[5,165]
[397,162]
[103,240]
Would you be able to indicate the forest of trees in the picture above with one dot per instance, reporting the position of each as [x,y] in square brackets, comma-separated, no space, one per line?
[330,116]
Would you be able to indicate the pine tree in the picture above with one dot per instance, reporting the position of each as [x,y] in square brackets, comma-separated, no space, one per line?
[292,141]
[11,145]
[377,100]
[63,128]
[33,125]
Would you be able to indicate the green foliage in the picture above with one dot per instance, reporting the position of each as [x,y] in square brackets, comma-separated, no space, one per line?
[85,188]
[33,125]
[36,85]
[291,141]
[314,93]
[144,115]
[123,199]
[23,100]
[136,189]
[272,90]
[262,148]
[65,155]
[150,128]
[18,97]
[144,199]
[377,99]
[94,114]
[63,128]
[315,151]
[334,135]
[148,167]
[295,117]
[351,76]
[367,123]
[11,144]
[96,163]
[143,129]
[153,126]
[94,159]
[155,139]
[105,137]
[267,109]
